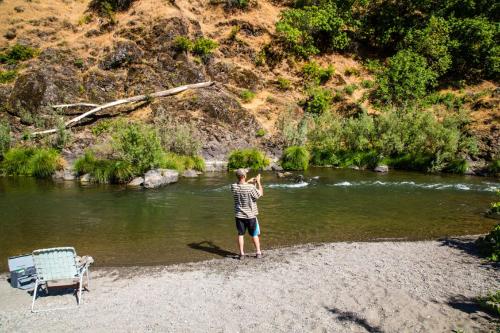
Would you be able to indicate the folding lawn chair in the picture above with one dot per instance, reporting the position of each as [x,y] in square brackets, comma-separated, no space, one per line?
[58,266]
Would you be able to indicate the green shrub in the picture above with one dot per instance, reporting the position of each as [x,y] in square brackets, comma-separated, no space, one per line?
[247,95]
[317,101]
[45,162]
[283,83]
[352,71]
[406,78]
[309,30]
[139,145]
[5,138]
[350,89]
[316,74]
[16,161]
[260,132]
[494,166]
[247,158]
[204,46]
[295,158]
[7,76]
[182,44]
[79,63]
[489,245]
[104,171]
[491,302]
[18,53]
[367,84]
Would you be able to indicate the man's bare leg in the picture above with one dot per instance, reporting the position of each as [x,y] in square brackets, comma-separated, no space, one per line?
[241,245]
[256,242]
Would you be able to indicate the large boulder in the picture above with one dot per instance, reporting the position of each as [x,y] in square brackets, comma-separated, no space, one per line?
[225,72]
[124,53]
[160,177]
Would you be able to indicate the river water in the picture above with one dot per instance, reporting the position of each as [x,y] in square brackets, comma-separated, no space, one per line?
[192,220]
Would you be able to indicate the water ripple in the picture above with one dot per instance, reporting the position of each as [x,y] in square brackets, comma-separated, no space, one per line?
[486,187]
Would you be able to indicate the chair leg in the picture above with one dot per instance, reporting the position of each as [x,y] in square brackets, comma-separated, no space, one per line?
[80,286]
[34,295]
[88,279]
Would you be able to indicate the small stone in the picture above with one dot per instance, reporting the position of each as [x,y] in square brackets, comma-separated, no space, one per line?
[10,34]
[381,168]
[86,178]
[213,166]
[284,174]
[19,9]
[138,181]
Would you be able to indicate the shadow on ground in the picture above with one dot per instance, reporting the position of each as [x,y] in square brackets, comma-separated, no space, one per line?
[210,247]
[469,306]
[354,318]
[468,246]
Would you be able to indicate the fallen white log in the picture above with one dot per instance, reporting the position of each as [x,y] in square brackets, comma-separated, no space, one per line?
[133,99]
[74,105]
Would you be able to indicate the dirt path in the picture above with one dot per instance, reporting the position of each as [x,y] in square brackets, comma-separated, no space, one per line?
[339,287]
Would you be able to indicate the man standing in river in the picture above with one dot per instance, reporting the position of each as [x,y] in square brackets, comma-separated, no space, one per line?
[245,195]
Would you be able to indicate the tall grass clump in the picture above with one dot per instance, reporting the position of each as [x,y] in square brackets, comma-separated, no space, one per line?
[45,162]
[16,161]
[37,162]
[295,158]
[247,158]
[5,138]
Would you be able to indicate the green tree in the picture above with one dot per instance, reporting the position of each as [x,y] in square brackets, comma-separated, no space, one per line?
[432,42]
[406,78]
[309,30]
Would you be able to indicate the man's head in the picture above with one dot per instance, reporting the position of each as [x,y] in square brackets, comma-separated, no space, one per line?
[241,174]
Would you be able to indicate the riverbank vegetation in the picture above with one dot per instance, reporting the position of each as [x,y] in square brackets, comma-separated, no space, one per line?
[405,138]
[37,162]
[251,158]
[133,149]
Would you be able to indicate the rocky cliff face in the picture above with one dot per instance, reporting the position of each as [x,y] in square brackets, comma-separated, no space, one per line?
[87,57]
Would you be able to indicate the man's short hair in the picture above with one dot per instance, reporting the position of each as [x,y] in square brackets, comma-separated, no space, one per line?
[240,173]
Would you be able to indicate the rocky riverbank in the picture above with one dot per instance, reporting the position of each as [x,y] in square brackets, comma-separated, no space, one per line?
[340,287]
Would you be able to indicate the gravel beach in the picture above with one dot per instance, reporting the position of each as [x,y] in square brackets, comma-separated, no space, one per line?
[337,287]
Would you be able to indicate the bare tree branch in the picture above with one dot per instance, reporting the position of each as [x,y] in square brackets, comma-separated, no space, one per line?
[133,99]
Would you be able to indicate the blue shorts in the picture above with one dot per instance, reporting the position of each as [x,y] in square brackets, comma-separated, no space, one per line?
[251,224]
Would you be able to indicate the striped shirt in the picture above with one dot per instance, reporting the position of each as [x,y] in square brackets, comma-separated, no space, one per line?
[245,200]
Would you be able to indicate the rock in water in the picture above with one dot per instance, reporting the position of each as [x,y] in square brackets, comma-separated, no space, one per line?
[159,177]
[381,168]
[137,181]
[86,178]
[190,174]
[65,174]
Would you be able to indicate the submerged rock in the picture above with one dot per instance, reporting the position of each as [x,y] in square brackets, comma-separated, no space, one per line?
[190,174]
[65,174]
[86,178]
[284,174]
[212,166]
[381,168]
[137,181]
[159,177]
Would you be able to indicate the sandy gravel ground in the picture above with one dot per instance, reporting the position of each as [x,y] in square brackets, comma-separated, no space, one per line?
[338,287]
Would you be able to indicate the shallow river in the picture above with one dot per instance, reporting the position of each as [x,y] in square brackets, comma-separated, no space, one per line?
[192,220]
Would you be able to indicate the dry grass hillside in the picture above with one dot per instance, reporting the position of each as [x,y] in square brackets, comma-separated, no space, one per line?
[76,45]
